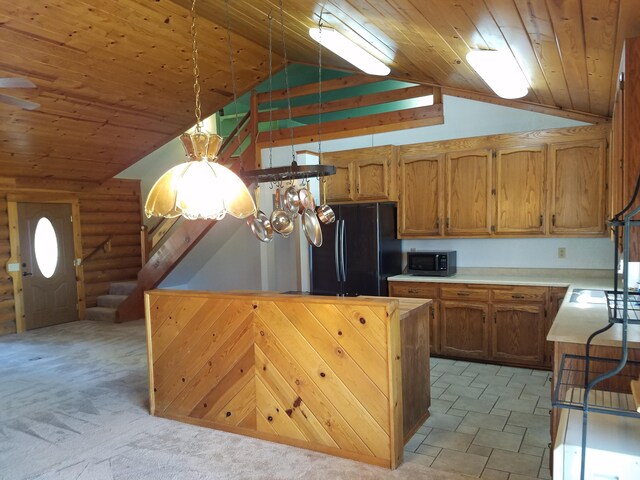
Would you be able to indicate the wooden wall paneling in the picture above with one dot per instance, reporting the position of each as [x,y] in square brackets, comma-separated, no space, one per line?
[297,370]
[631,124]
[111,210]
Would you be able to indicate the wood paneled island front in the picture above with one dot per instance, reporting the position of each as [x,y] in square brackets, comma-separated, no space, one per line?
[322,373]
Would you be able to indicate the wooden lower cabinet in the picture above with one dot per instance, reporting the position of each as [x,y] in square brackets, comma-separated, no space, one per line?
[463,328]
[505,324]
[518,333]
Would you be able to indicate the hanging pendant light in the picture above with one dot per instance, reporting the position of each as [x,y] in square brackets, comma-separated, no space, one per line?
[199,187]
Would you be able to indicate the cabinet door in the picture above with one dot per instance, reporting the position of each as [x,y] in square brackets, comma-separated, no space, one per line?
[518,333]
[420,204]
[337,188]
[520,199]
[468,193]
[463,329]
[372,179]
[577,192]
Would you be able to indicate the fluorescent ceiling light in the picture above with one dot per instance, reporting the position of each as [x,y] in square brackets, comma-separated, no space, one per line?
[352,53]
[500,71]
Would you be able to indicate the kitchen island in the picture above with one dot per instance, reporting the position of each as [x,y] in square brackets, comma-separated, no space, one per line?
[322,373]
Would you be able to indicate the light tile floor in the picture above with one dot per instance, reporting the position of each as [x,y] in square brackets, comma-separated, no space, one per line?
[486,421]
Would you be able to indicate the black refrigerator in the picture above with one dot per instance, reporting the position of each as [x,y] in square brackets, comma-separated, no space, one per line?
[359,251]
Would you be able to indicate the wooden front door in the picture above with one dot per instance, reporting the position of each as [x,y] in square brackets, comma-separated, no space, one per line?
[49,275]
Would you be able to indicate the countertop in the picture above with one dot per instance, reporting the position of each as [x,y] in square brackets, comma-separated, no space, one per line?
[574,322]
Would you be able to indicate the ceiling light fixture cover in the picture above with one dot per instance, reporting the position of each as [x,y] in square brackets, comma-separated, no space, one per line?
[352,53]
[200,187]
[500,71]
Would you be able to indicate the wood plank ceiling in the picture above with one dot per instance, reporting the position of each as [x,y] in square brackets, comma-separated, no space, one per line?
[114,77]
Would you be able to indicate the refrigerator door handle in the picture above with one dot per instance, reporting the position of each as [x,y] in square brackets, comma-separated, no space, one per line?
[344,252]
[340,244]
[336,253]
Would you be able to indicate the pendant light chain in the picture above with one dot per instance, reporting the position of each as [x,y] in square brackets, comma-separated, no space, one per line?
[196,70]
[270,91]
[233,74]
[286,81]
[320,84]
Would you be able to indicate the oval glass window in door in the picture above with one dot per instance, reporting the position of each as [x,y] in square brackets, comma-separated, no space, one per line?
[46,247]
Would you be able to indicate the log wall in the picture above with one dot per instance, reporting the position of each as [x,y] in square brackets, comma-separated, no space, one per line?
[316,372]
[112,209]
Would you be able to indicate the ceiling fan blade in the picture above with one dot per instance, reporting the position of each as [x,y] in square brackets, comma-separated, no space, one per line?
[18,102]
[16,83]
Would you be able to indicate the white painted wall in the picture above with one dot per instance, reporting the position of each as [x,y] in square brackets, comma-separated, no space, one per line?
[283,264]
[591,253]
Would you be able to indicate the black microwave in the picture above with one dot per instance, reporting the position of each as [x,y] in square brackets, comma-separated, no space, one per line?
[432,263]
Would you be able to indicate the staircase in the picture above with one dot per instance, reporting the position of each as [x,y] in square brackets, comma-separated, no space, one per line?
[107,308]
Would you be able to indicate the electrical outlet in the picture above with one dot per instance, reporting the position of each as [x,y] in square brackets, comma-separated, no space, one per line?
[562,252]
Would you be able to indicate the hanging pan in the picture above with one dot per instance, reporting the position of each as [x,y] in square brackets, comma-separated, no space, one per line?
[311,227]
[259,222]
[281,221]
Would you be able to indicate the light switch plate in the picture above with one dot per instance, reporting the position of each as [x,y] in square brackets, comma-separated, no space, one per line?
[13,267]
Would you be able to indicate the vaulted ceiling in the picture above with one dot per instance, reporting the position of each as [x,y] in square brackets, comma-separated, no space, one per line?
[114,77]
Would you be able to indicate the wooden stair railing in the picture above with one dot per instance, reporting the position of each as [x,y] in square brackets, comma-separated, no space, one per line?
[163,261]
[105,246]
[151,238]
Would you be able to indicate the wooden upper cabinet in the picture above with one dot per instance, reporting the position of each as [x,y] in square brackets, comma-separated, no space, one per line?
[372,179]
[577,199]
[468,193]
[421,196]
[519,190]
[337,188]
[364,174]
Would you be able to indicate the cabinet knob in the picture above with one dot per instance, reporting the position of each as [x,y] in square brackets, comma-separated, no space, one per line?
[463,294]
[553,220]
[438,223]
[413,290]
[541,220]
[517,296]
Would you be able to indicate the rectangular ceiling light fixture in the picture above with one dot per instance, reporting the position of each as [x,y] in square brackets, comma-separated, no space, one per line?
[352,53]
[500,71]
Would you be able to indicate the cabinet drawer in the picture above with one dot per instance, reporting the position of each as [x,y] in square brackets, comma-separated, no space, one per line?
[413,289]
[464,292]
[519,294]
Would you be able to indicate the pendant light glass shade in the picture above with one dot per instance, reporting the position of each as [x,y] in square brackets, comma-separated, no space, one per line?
[200,187]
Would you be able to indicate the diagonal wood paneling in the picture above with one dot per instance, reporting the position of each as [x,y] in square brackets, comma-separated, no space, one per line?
[297,370]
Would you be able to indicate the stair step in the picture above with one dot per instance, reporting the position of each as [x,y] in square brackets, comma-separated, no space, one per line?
[122,288]
[100,314]
[111,301]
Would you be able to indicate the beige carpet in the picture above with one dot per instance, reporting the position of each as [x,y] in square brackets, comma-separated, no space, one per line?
[73,405]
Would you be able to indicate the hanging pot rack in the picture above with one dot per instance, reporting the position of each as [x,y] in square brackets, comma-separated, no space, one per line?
[290,172]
